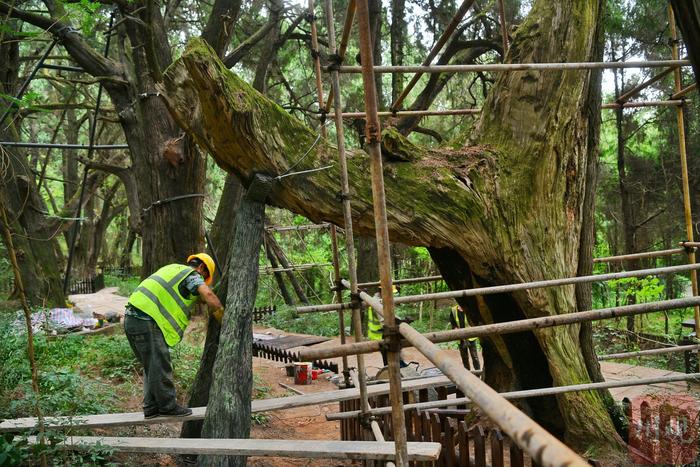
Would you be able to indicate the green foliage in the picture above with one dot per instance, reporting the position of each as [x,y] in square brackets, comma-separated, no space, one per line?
[18,451]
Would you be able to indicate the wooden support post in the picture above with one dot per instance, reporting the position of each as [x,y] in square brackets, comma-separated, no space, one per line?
[373,137]
[684,168]
[347,209]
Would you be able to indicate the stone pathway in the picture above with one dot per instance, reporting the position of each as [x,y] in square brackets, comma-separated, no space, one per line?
[620,371]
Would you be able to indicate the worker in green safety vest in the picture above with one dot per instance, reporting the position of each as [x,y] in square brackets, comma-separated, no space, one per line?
[155,319]
[467,347]
[375,329]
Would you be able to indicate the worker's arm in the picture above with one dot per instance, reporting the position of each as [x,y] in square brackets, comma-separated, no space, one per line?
[209,297]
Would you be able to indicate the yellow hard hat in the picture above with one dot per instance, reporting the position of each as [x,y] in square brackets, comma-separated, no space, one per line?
[208,262]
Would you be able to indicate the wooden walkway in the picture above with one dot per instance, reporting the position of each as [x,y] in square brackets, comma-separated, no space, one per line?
[310,449]
[614,371]
[263,405]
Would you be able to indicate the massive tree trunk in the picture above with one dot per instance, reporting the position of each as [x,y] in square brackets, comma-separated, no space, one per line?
[36,245]
[509,204]
[687,15]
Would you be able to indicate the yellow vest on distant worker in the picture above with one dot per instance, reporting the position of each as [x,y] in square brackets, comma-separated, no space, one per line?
[159,297]
[375,326]
[455,314]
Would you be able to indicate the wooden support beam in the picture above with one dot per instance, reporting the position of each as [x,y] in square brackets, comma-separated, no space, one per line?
[307,449]
[264,405]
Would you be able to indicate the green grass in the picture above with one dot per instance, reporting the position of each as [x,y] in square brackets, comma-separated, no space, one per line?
[126,285]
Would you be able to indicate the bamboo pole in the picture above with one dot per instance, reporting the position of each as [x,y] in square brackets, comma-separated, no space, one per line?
[275,228]
[504,26]
[347,209]
[684,168]
[647,254]
[509,327]
[498,67]
[525,432]
[690,244]
[642,86]
[373,137]
[317,63]
[684,91]
[514,395]
[339,298]
[96,147]
[446,34]
[643,353]
[19,284]
[347,29]
[517,287]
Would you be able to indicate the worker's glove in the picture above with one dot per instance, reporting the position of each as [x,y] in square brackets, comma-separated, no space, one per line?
[218,313]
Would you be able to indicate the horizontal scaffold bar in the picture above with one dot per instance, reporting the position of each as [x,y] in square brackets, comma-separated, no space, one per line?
[690,244]
[516,67]
[516,287]
[276,228]
[97,147]
[527,393]
[433,113]
[295,267]
[646,254]
[507,327]
[411,280]
[643,353]
[307,449]
[263,405]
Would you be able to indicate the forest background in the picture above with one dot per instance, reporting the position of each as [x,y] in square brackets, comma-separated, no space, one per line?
[638,204]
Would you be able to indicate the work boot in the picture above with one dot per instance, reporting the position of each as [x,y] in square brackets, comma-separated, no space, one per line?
[177,411]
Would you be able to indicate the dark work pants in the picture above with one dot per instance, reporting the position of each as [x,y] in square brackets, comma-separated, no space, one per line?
[148,344]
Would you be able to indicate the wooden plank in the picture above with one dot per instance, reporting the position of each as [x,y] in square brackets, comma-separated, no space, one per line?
[313,449]
[496,448]
[463,441]
[516,456]
[449,445]
[263,405]
[478,436]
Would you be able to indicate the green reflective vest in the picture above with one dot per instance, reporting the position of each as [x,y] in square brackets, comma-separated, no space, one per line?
[374,326]
[159,297]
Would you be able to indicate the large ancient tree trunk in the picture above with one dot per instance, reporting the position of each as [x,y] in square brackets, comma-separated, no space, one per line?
[509,205]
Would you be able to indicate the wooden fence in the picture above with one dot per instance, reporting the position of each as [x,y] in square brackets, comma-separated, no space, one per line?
[272,353]
[261,313]
[463,444]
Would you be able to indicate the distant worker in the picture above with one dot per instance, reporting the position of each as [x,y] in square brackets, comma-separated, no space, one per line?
[375,328]
[156,317]
[467,347]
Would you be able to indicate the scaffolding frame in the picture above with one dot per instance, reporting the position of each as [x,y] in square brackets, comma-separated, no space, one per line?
[543,447]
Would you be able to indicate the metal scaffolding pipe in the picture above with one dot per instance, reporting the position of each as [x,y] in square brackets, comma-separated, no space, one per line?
[347,208]
[647,254]
[684,168]
[640,87]
[347,28]
[498,67]
[273,228]
[446,34]
[514,395]
[429,113]
[373,139]
[630,105]
[509,327]
[97,147]
[684,91]
[524,286]
[411,280]
[690,244]
[525,432]
[339,298]
[643,353]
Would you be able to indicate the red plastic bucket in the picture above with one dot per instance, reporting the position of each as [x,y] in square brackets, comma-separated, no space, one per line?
[302,373]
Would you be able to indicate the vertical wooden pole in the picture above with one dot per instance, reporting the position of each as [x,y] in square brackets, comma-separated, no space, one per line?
[373,135]
[324,133]
[28,320]
[347,210]
[684,168]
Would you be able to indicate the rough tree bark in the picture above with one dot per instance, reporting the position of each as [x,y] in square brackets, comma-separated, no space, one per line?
[687,14]
[228,412]
[509,204]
